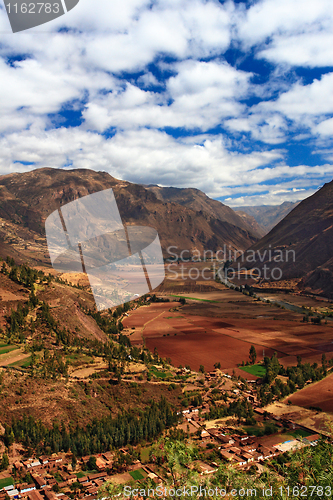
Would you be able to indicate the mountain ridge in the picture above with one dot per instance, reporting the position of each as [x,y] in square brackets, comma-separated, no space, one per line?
[26,200]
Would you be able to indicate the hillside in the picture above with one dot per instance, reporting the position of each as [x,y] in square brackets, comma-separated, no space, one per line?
[27,199]
[306,233]
[200,202]
[267,216]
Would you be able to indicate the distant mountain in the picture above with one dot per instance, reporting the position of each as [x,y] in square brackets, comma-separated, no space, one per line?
[26,200]
[267,216]
[306,233]
[251,221]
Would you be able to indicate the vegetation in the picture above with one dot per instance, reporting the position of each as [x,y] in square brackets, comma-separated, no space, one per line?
[256,370]
[307,470]
[130,427]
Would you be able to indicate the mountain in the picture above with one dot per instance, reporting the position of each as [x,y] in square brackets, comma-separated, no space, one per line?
[251,222]
[302,243]
[26,200]
[267,216]
[200,202]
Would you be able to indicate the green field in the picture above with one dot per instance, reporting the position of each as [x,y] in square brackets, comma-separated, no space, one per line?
[194,298]
[77,358]
[138,474]
[7,481]
[24,363]
[7,348]
[256,370]
[300,433]
[159,374]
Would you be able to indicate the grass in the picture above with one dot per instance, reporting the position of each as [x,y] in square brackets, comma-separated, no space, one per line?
[300,433]
[7,481]
[5,350]
[79,358]
[256,370]
[194,298]
[159,374]
[138,474]
[24,363]
[80,474]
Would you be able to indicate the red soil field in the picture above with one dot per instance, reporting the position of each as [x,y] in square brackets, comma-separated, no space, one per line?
[203,334]
[204,349]
[318,395]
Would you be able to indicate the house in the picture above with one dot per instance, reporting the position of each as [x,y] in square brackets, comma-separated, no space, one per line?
[247,456]
[98,475]
[227,456]
[205,435]
[35,495]
[205,468]
[83,480]
[40,481]
[25,488]
[50,495]
[14,493]
[239,460]
[100,463]
[234,449]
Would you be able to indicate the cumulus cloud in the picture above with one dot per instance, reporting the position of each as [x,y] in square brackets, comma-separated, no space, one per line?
[297,32]
[136,68]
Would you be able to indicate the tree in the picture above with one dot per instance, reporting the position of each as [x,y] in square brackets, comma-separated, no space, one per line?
[253,354]
[4,462]
[324,362]
[202,369]
[91,464]
[217,365]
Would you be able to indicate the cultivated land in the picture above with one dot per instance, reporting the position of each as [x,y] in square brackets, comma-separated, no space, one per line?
[317,395]
[220,325]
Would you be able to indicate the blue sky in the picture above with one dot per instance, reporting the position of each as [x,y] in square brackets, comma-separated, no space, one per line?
[233,98]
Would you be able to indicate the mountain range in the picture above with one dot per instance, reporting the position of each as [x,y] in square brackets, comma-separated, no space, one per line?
[187,218]
[266,216]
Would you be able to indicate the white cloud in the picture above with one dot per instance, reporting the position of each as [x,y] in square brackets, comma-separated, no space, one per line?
[304,49]
[324,128]
[201,91]
[202,95]
[305,105]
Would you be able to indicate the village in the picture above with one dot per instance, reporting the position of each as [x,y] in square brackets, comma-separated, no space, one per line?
[57,477]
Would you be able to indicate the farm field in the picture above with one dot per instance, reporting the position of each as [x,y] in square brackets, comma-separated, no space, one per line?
[221,325]
[317,395]
[11,355]
[256,370]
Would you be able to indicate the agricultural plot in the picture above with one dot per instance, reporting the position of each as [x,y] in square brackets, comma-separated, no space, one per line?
[256,370]
[317,395]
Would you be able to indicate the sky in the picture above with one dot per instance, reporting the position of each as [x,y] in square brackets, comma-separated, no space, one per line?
[233,98]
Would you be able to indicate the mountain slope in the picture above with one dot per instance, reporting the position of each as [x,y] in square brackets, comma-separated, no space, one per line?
[307,231]
[200,202]
[267,216]
[27,199]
